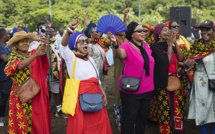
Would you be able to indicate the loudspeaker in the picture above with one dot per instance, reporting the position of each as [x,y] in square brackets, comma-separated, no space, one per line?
[193,22]
[182,15]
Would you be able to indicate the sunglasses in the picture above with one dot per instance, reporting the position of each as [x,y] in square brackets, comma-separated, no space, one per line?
[83,41]
[141,30]
[174,26]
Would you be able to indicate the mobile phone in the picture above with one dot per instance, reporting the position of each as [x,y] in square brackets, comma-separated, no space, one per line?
[49,18]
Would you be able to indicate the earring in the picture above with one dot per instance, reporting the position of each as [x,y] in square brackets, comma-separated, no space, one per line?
[132,36]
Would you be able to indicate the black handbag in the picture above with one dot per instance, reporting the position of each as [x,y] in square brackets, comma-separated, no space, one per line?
[130,84]
[211,82]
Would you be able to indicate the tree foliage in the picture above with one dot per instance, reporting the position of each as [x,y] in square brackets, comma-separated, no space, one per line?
[64,11]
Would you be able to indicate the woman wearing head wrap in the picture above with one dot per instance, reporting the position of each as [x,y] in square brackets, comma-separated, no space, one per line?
[76,45]
[166,107]
[201,57]
[185,48]
[33,116]
[98,49]
[138,63]
[149,34]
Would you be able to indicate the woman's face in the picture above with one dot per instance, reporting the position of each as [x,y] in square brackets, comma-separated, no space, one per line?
[164,34]
[175,27]
[207,34]
[94,34]
[83,44]
[139,33]
[23,45]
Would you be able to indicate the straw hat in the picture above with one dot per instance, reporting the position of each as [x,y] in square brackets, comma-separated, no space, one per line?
[19,36]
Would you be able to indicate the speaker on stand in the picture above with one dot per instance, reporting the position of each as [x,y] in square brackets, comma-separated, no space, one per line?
[182,15]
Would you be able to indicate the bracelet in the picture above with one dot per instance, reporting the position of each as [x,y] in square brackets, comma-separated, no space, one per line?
[71,27]
[69,31]
[117,46]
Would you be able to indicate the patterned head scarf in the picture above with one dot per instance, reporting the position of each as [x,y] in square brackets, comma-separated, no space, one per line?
[169,23]
[149,28]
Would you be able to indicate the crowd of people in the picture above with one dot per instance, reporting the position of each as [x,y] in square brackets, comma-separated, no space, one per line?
[156,70]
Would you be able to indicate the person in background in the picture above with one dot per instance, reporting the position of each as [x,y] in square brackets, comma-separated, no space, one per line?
[41,29]
[169,107]
[139,63]
[5,82]
[60,35]
[98,48]
[53,77]
[18,29]
[96,36]
[149,34]
[118,68]
[201,58]
[195,31]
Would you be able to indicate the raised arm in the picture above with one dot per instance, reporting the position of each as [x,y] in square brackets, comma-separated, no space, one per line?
[69,31]
[17,24]
[125,16]
[120,53]
[86,17]
[24,26]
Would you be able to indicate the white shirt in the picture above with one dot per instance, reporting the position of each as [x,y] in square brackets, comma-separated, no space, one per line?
[59,37]
[83,69]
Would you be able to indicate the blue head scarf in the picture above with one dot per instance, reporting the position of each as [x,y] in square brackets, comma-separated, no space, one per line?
[73,39]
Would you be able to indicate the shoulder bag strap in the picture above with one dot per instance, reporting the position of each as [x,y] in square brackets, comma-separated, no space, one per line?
[176,63]
[96,72]
[205,68]
[73,69]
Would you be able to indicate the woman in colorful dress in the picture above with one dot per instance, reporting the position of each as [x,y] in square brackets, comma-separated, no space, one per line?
[138,63]
[98,48]
[149,34]
[169,106]
[32,117]
[201,57]
[75,46]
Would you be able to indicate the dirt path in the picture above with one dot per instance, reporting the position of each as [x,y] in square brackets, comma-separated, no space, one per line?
[59,125]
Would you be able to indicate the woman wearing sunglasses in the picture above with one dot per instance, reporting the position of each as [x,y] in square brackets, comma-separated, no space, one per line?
[76,45]
[99,47]
[185,48]
[138,63]
[169,107]
[149,34]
